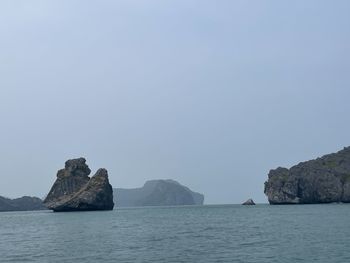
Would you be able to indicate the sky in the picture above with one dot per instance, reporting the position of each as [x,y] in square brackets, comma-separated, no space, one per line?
[212,94]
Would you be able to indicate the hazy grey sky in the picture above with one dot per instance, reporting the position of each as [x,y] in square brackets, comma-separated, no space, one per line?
[213,94]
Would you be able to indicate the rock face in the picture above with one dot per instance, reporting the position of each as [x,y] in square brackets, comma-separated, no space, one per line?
[249,202]
[74,190]
[158,193]
[323,180]
[25,203]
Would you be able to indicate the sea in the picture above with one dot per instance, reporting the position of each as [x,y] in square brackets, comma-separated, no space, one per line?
[209,233]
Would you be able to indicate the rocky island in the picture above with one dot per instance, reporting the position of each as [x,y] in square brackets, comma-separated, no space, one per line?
[323,180]
[74,190]
[158,193]
[25,203]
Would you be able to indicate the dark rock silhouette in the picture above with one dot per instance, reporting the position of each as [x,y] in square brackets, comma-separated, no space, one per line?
[323,180]
[25,203]
[158,193]
[249,202]
[74,190]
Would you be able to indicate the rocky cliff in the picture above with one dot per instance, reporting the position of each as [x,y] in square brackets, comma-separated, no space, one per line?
[158,193]
[25,203]
[323,180]
[74,190]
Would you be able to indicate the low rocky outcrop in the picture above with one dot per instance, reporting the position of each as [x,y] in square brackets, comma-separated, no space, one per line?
[25,203]
[158,193]
[323,180]
[74,190]
[249,202]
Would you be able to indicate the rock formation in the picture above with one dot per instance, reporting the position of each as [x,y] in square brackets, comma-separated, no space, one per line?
[249,202]
[323,180]
[25,203]
[158,193]
[74,190]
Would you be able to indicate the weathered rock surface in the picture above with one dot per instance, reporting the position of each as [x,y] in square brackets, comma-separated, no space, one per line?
[158,193]
[74,190]
[25,203]
[323,180]
[249,202]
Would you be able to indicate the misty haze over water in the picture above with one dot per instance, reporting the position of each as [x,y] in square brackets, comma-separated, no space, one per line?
[211,94]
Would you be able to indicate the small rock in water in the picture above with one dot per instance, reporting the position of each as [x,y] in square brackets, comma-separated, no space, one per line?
[249,202]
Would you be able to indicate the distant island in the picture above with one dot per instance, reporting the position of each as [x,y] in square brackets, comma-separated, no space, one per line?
[323,180]
[157,193]
[25,203]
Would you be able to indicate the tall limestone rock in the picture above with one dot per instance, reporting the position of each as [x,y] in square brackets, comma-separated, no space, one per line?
[74,190]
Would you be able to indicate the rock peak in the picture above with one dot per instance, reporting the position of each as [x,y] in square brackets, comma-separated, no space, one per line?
[75,167]
[102,172]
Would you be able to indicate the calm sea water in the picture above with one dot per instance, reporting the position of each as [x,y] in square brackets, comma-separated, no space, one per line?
[232,233]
